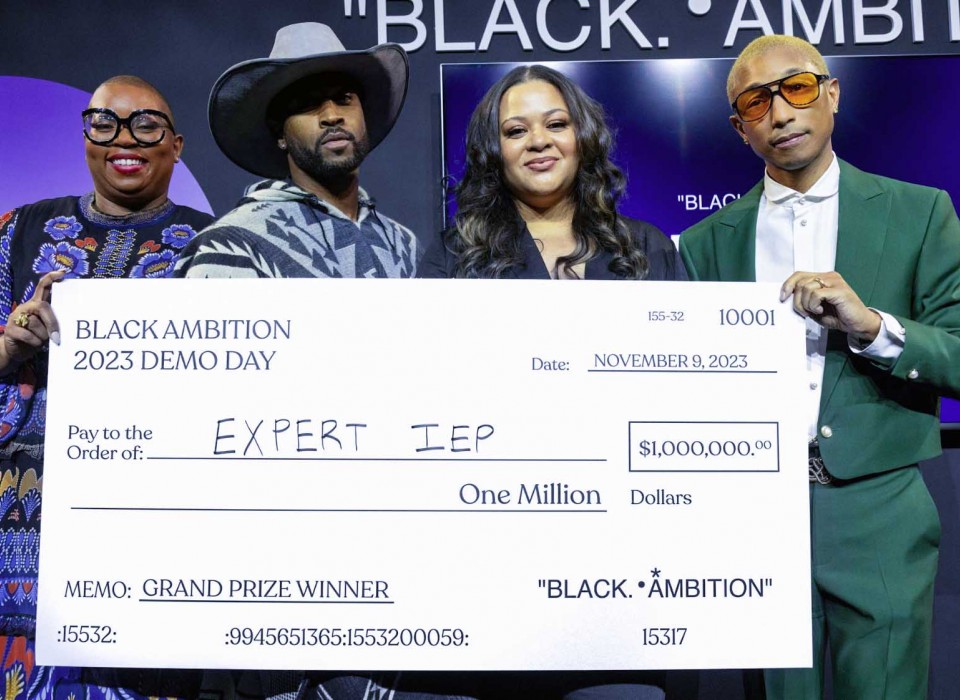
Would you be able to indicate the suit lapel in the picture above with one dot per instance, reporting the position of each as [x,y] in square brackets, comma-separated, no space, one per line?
[736,239]
[861,231]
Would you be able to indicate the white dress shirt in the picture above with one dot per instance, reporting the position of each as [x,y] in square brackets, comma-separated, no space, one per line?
[798,231]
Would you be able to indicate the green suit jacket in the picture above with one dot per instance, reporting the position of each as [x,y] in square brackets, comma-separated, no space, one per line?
[898,247]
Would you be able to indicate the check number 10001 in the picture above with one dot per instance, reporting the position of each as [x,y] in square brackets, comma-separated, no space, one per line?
[748,317]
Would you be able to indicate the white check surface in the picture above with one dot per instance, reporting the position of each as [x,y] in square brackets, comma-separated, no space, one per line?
[431,474]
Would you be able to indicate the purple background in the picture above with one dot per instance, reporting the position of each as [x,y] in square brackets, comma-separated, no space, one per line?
[42,146]
[673,136]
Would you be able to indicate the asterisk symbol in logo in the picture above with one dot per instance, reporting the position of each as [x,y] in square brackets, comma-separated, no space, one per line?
[655,573]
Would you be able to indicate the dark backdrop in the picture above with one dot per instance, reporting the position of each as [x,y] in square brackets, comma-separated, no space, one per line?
[182,46]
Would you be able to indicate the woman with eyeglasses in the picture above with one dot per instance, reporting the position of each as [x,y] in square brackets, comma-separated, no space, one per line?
[125,227]
[539,200]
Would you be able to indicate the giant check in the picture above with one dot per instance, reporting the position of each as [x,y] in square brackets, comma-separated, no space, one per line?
[430,474]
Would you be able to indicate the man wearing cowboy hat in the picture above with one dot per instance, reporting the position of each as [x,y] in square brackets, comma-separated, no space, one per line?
[305,117]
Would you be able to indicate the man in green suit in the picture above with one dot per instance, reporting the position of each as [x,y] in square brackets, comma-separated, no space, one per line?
[873,264]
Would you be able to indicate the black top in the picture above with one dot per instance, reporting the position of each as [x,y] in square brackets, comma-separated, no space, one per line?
[441,262]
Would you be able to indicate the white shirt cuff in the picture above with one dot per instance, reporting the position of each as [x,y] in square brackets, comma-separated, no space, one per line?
[887,346]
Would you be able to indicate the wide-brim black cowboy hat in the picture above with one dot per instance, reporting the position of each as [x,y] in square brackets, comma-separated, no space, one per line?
[240,97]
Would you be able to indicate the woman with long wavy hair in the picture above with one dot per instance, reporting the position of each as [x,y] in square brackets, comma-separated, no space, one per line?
[539,196]
[539,201]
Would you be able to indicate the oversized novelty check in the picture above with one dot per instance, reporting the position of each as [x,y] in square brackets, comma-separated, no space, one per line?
[440,474]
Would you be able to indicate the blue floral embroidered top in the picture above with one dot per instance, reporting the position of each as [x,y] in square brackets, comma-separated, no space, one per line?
[54,234]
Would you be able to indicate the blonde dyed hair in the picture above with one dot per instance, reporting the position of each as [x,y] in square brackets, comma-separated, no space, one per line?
[763,45]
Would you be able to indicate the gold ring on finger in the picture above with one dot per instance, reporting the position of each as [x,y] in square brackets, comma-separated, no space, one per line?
[22,319]
[820,282]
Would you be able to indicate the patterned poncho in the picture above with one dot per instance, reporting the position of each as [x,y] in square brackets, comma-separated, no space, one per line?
[281,230]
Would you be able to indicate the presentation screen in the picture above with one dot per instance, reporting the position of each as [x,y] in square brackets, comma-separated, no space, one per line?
[682,157]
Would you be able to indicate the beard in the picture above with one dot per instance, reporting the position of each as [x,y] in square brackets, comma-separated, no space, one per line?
[324,169]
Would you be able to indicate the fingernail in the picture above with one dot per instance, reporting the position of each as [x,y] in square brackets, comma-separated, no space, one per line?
[55,337]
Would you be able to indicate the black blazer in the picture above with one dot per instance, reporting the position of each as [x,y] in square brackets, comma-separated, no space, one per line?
[664,260]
